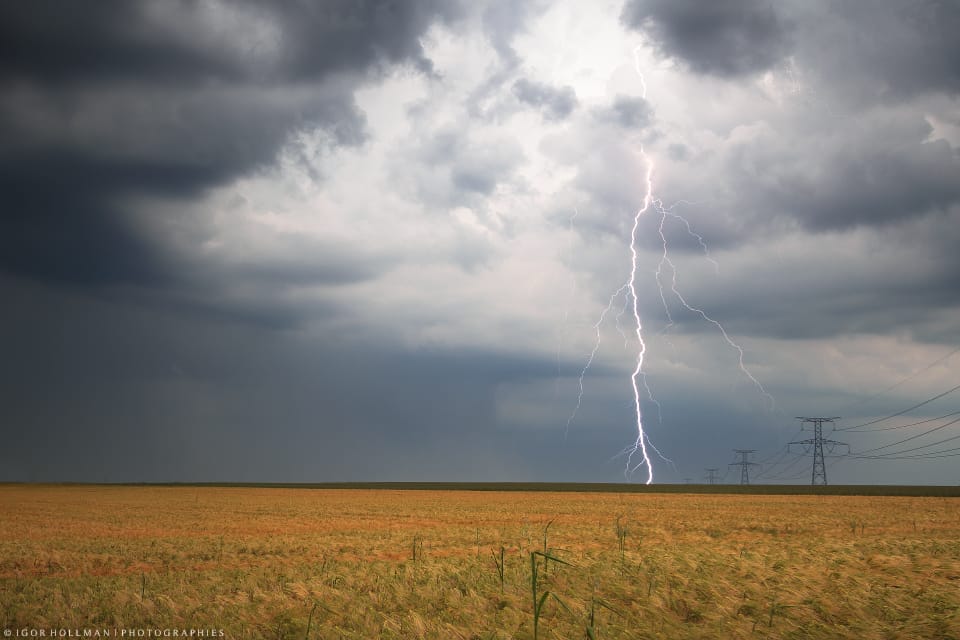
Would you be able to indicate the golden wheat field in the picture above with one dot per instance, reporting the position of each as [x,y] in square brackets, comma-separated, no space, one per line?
[341,563]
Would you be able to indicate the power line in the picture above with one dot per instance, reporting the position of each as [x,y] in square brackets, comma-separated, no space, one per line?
[902,426]
[913,437]
[883,456]
[773,455]
[924,456]
[829,465]
[777,458]
[900,413]
[925,446]
[784,448]
[782,474]
[786,452]
[902,380]
[780,455]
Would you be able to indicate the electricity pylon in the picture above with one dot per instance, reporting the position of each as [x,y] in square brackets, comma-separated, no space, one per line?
[744,464]
[819,471]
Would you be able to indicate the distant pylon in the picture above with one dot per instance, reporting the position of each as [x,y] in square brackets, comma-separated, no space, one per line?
[712,476]
[819,472]
[744,464]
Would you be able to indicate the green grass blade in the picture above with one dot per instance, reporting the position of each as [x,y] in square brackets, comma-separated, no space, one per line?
[552,558]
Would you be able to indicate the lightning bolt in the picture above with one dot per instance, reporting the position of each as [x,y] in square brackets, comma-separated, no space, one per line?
[640,445]
[638,454]
[629,289]
[665,260]
[593,354]
[668,211]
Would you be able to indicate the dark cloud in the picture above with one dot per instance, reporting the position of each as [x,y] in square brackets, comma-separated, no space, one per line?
[316,263]
[105,103]
[627,112]
[883,50]
[875,171]
[454,169]
[911,48]
[474,179]
[480,169]
[66,213]
[874,190]
[725,38]
[154,42]
[554,103]
[502,21]
[56,225]
[887,281]
[281,333]
[51,43]
[110,391]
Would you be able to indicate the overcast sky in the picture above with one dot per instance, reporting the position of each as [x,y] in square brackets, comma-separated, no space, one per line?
[347,241]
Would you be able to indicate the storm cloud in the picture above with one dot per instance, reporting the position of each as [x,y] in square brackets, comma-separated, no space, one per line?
[554,103]
[728,38]
[113,102]
[321,241]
